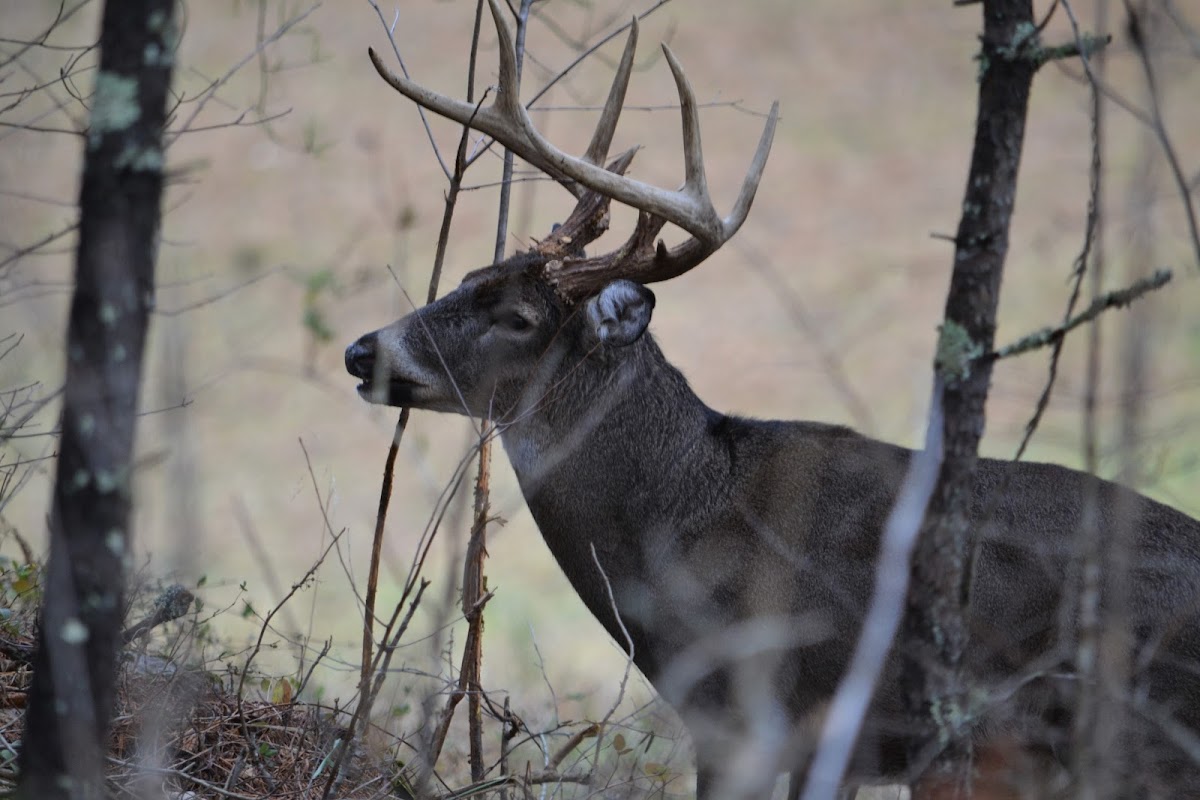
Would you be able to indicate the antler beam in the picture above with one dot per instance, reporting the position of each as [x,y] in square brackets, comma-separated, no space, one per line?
[690,207]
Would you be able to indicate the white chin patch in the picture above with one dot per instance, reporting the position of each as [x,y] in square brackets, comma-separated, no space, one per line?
[373,392]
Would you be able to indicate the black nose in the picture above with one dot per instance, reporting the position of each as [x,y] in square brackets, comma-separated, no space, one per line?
[360,358]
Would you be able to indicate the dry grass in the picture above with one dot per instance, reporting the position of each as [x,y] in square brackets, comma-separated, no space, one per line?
[179,729]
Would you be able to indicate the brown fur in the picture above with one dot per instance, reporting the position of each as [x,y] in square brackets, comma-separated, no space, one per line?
[742,552]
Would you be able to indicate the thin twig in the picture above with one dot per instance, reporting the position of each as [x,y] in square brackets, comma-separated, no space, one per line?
[251,751]
[370,663]
[439,259]
[507,170]
[362,710]
[629,654]
[1114,299]
[1160,129]
[21,252]
[1081,261]
[831,359]
[474,594]
[211,91]
[61,16]
[474,588]
[573,741]
[297,586]
[391,30]
[218,296]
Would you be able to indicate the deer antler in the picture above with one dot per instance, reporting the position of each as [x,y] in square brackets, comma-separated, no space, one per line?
[690,207]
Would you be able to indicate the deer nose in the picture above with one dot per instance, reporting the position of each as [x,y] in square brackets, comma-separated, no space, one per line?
[360,357]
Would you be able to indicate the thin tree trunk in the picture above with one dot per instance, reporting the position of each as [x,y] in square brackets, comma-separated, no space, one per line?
[71,698]
[935,633]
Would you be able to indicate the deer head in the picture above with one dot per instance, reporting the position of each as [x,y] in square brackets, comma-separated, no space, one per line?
[475,350]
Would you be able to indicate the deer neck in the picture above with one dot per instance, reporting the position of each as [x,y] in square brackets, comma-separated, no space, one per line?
[603,460]
[602,463]
[596,420]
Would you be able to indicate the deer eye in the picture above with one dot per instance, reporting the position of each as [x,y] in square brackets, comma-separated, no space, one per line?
[515,322]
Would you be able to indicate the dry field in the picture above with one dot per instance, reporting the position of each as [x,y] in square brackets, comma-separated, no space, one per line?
[330,213]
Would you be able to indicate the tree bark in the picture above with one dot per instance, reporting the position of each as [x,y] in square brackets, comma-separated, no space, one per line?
[935,633]
[71,697]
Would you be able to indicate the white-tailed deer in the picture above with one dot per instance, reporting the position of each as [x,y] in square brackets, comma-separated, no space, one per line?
[741,552]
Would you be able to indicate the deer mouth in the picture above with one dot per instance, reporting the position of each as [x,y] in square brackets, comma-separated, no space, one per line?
[391,392]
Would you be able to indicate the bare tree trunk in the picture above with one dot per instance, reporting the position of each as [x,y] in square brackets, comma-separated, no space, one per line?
[935,634]
[71,698]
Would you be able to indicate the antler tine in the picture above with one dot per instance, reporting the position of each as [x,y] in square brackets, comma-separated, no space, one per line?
[741,207]
[510,90]
[695,183]
[602,139]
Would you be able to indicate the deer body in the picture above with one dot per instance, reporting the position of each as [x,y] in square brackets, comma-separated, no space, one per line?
[734,558]
[714,531]
[740,553]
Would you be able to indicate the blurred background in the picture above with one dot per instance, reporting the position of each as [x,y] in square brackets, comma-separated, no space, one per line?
[303,211]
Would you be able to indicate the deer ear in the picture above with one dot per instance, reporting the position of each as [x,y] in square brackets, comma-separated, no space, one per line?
[621,312]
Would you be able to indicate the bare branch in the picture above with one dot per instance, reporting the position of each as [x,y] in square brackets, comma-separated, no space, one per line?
[210,92]
[1118,298]
[1160,131]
